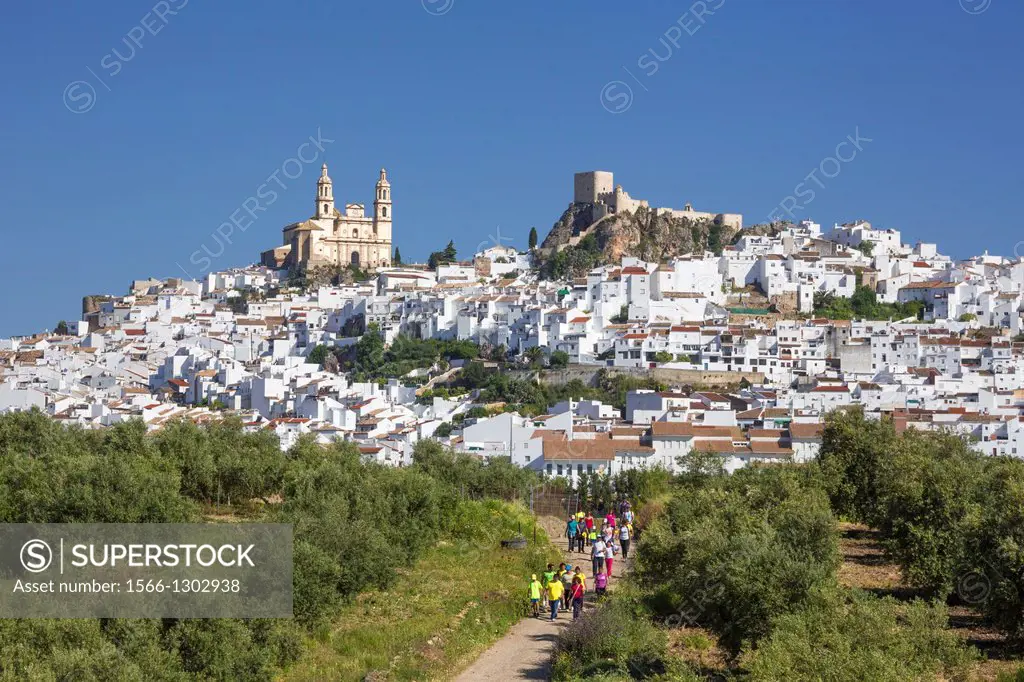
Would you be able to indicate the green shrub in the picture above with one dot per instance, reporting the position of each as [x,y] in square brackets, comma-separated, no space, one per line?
[864,638]
[470,477]
[53,474]
[615,640]
[559,359]
[929,506]
[735,554]
[996,547]
[852,449]
[221,462]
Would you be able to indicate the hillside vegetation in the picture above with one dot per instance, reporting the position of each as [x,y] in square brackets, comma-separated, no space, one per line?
[357,527]
[737,578]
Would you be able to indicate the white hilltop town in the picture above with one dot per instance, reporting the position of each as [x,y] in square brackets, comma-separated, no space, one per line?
[742,353]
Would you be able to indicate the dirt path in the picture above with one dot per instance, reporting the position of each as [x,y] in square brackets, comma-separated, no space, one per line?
[525,652]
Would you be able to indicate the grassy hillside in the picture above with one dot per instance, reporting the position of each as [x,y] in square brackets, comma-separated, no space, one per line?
[463,595]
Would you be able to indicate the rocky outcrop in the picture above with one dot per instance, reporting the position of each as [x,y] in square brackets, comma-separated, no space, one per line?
[645,233]
[763,230]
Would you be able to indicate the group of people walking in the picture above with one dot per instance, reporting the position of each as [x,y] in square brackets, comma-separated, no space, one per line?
[566,586]
[558,589]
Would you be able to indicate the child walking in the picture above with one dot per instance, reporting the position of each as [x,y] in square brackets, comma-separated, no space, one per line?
[535,588]
[545,580]
[577,591]
[555,591]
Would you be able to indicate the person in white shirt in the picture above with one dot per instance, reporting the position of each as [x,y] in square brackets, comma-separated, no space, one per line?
[597,554]
[624,539]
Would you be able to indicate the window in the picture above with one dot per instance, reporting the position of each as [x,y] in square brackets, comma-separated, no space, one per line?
[549,469]
[559,469]
[590,468]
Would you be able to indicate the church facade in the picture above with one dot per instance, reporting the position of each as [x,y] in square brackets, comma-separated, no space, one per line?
[332,237]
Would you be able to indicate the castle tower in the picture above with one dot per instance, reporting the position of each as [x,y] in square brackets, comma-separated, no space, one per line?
[324,195]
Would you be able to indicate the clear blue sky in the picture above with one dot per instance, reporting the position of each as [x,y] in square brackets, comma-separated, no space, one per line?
[482,110]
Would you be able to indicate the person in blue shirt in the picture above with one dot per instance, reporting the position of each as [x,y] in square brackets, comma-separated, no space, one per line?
[571,530]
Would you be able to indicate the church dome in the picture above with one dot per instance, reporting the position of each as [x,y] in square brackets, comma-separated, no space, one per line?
[383,182]
[324,178]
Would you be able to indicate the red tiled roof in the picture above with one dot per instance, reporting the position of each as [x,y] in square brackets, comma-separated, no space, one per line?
[802,431]
[598,449]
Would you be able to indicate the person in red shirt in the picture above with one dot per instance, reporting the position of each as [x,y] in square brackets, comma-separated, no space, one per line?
[589,522]
[577,590]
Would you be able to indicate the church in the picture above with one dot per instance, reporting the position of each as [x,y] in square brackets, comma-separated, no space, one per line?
[331,237]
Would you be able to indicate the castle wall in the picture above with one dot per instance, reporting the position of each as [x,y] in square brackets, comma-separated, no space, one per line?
[733,220]
[598,188]
[623,203]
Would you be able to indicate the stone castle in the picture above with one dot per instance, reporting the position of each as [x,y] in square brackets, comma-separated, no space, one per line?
[331,237]
[599,188]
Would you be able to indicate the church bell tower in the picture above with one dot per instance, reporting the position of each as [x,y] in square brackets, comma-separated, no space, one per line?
[382,207]
[324,195]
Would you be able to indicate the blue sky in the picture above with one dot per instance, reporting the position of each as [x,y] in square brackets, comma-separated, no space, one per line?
[129,138]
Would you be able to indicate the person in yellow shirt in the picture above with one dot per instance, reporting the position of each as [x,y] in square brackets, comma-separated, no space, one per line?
[583,578]
[535,588]
[555,592]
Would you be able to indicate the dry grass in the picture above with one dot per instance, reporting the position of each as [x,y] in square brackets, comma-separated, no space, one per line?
[699,648]
[866,567]
[864,564]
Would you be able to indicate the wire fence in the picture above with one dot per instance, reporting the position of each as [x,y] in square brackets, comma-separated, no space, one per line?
[548,500]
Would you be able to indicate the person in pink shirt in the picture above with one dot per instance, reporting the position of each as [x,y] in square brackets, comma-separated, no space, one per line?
[576,591]
[610,519]
[600,583]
